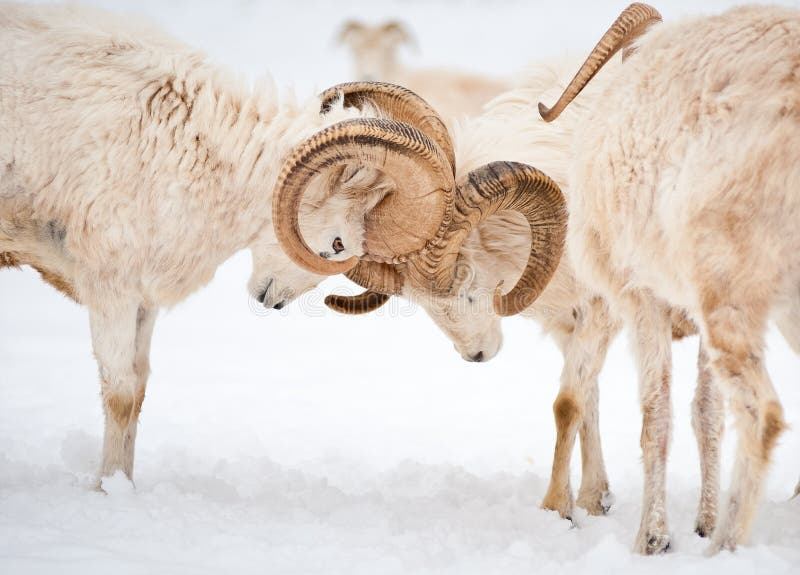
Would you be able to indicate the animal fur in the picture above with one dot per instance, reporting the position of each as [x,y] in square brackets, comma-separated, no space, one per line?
[130,168]
[684,193]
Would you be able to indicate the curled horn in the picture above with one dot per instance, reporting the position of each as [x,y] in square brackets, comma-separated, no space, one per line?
[632,23]
[492,188]
[402,223]
[379,279]
[402,105]
[483,192]
[363,303]
[395,103]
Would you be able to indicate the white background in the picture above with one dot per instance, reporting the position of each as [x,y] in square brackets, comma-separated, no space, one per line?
[302,442]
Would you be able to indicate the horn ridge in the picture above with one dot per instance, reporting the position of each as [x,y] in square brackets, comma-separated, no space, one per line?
[634,21]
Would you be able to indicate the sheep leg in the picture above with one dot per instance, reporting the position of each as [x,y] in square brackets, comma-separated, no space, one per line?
[121,339]
[735,343]
[566,410]
[651,332]
[575,409]
[594,494]
[708,421]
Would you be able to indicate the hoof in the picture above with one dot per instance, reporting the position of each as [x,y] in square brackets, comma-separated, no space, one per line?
[596,504]
[704,525]
[654,545]
[561,503]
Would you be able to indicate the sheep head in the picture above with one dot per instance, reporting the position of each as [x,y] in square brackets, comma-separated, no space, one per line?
[414,234]
[374,48]
[331,217]
[467,316]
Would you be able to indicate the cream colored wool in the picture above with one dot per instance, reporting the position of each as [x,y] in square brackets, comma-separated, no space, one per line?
[131,168]
[684,192]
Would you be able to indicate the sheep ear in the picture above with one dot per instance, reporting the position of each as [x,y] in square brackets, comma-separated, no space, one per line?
[348,31]
[398,31]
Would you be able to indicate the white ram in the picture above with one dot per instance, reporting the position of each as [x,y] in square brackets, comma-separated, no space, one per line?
[684,192]
[578,320]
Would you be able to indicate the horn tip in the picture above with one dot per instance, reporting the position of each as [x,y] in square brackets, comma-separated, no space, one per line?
[331,302]
[546,113]
[499,302]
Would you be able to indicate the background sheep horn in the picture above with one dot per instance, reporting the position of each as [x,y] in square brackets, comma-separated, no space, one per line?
[632,23]
[398,103]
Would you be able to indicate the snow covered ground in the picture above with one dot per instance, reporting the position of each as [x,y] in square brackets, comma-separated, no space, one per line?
[267,446]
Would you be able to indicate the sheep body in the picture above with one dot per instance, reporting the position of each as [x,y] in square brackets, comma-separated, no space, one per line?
[153,163]
[130,168]
[684,193]
[579,322]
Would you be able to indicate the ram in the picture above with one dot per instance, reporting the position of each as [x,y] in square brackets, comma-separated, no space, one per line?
[132,168]
[579,321]
[453,93]
[684,192]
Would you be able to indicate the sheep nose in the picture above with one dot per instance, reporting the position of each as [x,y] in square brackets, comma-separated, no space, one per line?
[279,305]
[261,297]
[478,357]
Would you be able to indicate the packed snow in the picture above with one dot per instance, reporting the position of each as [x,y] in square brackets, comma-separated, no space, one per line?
[304,442]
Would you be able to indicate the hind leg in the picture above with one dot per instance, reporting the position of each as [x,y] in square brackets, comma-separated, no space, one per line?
[575,409]
[734,334]
[708,421]
[594,494]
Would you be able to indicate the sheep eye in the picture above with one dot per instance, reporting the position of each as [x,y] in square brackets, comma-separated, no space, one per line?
[470,299]
[338,246]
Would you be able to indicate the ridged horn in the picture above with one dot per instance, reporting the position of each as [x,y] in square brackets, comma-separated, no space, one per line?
[489,189]
[359,304]
[402,223]
[380,277]
[632,23]
[380,280]
[396,103]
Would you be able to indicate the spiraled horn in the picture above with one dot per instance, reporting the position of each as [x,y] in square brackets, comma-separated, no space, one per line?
[363,303]
[395,103]
[380,279]
[632,23]
[402,223]
[481,193]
